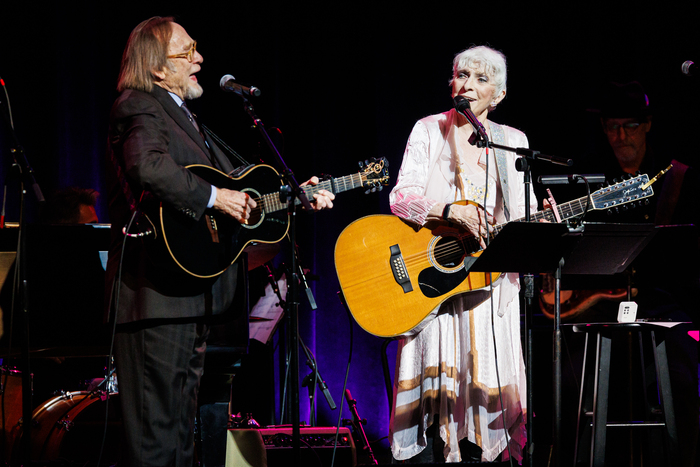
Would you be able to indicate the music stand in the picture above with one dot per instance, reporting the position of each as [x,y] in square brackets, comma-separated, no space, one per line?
[527,247]
[608,248]
[543,247]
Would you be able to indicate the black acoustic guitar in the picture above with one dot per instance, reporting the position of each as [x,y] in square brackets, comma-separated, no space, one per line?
[205,248]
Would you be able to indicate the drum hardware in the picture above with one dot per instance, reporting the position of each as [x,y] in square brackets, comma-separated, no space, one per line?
[65,424]
[65,427]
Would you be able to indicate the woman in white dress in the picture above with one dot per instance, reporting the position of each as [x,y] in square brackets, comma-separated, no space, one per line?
[447,383]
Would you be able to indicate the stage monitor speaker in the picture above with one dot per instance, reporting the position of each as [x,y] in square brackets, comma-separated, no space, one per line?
[316,447]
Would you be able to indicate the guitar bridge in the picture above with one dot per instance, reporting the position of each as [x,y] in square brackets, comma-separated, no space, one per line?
[398,268]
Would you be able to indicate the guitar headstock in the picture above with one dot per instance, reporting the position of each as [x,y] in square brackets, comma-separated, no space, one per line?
[626,191]
[375,173]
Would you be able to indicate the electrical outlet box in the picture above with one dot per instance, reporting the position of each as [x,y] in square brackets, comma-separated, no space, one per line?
[627,313]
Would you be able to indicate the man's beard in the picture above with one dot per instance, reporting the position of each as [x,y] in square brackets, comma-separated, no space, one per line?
[193,91]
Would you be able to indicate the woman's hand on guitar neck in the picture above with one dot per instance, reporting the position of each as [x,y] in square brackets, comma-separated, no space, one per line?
[234,203]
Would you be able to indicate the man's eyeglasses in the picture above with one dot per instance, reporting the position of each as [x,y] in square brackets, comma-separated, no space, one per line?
[189,55]
[613,127]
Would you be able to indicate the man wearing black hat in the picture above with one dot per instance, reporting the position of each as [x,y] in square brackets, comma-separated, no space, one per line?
[625,116]
[626,119]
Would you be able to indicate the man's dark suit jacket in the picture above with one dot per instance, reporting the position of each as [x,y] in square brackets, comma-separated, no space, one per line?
[150,142]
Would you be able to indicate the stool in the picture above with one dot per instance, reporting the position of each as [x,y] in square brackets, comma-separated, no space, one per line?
[595,405]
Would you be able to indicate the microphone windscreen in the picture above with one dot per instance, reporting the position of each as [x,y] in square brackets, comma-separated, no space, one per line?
[225,79]
[685,68]
[461,103]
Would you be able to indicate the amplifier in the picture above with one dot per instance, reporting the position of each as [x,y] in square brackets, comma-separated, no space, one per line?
[316,447]
[272,447]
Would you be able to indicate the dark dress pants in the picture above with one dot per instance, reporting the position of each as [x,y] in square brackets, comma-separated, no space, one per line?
[159,366]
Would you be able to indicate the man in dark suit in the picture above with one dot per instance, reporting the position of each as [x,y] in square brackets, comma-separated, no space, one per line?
[162,317]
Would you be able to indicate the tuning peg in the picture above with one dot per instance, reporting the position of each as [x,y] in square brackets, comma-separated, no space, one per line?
[646,201]
[380,188]
[361,164]
[624,208]
[609,212]
[614,181]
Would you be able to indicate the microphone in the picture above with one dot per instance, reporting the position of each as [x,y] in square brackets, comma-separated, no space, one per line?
[462,106]
[228,83]
[570,179]
[689,68]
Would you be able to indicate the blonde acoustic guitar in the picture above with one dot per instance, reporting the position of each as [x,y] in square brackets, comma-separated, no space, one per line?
[394,273]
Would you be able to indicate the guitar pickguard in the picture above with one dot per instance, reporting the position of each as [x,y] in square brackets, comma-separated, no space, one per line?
[434,282]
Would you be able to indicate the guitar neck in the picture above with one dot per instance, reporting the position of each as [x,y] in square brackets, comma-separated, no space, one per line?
[272,202]
[566,211]
[335,185]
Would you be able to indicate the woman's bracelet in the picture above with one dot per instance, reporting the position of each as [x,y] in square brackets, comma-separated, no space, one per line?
[446,211]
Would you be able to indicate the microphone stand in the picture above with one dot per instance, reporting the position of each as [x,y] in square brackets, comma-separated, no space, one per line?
[358,423]
[312,380]
[21,289]
[523,165]
[294,193]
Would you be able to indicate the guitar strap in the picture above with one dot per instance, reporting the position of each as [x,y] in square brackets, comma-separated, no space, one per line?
[499,137]
[226,147]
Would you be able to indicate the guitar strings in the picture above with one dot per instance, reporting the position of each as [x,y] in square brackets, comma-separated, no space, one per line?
[460,244]
[271,202]
[451,248]
[467,244]
[568,210]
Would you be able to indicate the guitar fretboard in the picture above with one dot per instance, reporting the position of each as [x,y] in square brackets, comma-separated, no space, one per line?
[272,203]
[566,211]
[615,195]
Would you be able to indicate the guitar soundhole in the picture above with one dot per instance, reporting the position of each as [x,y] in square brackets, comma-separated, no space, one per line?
[257,215]
[447,254]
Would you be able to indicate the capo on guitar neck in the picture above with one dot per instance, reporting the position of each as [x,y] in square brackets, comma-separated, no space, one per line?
[553,203]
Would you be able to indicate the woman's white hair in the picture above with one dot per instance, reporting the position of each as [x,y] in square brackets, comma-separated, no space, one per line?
[491,61]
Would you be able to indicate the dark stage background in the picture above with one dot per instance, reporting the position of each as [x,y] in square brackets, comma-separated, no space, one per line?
[345,82]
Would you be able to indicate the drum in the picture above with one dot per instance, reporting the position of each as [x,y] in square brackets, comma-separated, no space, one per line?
[71,427]
[10,407]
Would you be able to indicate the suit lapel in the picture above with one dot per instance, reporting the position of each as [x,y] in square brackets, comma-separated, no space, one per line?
[178,115]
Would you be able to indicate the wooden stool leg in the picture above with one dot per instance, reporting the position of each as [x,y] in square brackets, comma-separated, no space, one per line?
[600,400]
